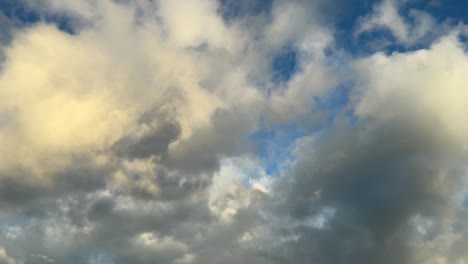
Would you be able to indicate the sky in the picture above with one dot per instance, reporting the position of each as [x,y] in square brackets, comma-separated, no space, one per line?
[233,131]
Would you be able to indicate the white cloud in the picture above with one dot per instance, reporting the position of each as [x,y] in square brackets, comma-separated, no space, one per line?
[428,82]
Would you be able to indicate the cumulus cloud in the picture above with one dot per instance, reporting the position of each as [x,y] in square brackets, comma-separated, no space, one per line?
[131,137]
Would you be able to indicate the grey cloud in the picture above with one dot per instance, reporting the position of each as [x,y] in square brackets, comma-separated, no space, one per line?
[101,208]
[115,230]
[163,184]
[226,135]
[377,179]
[14,192]
[154,143]
[5,259]
[17,189]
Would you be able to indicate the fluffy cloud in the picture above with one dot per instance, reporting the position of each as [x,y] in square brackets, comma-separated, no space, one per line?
[425,84]
[131,137]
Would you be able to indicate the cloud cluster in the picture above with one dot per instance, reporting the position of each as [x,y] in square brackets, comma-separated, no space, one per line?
[130,137]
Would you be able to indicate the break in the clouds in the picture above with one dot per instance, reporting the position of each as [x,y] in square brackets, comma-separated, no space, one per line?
[204,131]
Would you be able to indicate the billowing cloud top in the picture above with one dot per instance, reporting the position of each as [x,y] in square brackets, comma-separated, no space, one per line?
[233,131]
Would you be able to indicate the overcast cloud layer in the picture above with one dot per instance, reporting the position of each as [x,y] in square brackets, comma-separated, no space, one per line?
[228,132]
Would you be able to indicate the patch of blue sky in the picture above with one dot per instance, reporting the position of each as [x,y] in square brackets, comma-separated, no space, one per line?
[379,40]
[22,16]
[346,18]
[382,40]
[284,65]
[465,202]
[18,12]
[453,10]
[335,107]
[336,103]
[376,40]
[275,145]
[233,9]
[464,40]
[335,99]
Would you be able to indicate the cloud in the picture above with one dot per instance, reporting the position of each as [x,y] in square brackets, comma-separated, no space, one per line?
[130,139]
[5,259]
[395,179]
[418,27]
[377,180]
[430,84]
